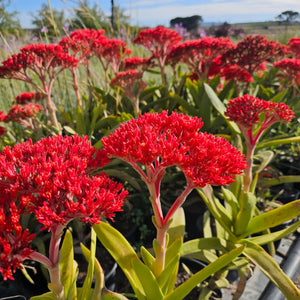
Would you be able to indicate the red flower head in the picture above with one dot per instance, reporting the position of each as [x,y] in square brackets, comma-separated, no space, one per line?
[294,48]
[137,63]
[289,70]
[2,116]
[19,113]
[199,54]
[87,35]
[246,111]
[110,52]
[235,72]
[2,130]
[127,80]
[28,97]
[44,60]
[14,241]
[14,248]
[159,41]
[158,141]
[253,51]
[53,181]
[79,43]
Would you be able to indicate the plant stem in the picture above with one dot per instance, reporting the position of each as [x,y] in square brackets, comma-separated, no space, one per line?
[54,272]
[76,88]
[248,171]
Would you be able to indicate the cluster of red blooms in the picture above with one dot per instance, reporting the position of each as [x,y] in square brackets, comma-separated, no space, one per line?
[137,63]
[79,43]
[253,51]
[159,41]
[289,69]
[28,97]
[19,113]
[199,54]
[110,52]
[235,72]
[44,60]
[294,47]
[247,110]
[127,80]
[159,140]
[52,180]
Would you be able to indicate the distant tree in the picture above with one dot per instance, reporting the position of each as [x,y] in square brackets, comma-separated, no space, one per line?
[190,23]
[222,30]
[48,21]
[9,24]
[287,17]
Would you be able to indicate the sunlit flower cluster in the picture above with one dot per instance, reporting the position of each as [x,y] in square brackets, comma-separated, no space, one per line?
[246,111]
[161,140]
[199,54]
[253,51]
[51,179]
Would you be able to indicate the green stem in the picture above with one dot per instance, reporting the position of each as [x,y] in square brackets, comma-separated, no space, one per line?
[55,280]
[248,171]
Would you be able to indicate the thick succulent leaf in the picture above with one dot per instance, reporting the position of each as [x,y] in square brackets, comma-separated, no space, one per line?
[185,288]
[122,252]
[273,218]
[98,274]
[245,213]
[220,107]
[167,278]
[174,249]
[274,236]
[232,201]
[147,257]
[148,280]
[109,295]
[268,144]
[68,266]
[196,245]
[264,158]
[86,289]
[177,226]
[271,269]
[46,296]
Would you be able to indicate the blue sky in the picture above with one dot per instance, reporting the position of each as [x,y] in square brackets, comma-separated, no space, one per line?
[160,12]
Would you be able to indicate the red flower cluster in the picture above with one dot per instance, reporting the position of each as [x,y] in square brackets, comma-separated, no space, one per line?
[246,111]
[44,60]
[199,54]
[235,72]
[52,180]
[110,52]
[79,43]
[28,96]
[290,70]
[253,51]
[88,35]
[54,172]
[2,116]
[18,113]
[138,63]
[14,244]
[159,41]
[127,80]
[294,48]
[158,141]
